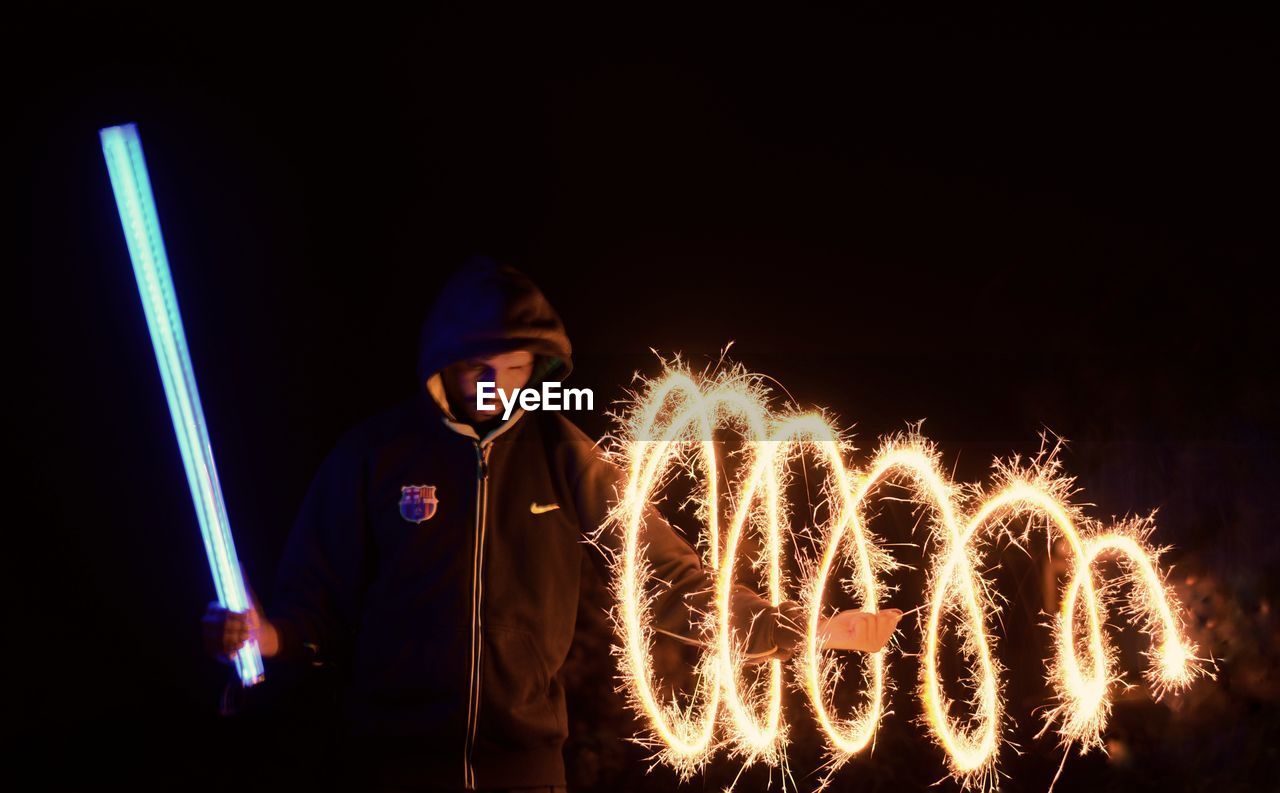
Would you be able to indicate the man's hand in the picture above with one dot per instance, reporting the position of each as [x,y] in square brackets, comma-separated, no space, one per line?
[858,630]
[225,632]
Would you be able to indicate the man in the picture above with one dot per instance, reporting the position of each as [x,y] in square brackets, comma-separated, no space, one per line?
[437,556]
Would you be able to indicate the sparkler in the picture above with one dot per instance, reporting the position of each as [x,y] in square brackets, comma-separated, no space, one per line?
[131,184]
[675,422]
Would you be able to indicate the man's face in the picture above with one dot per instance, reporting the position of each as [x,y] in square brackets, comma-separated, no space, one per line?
[509,370]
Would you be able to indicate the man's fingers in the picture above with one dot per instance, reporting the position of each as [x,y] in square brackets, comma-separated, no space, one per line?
[860,632]
[888,631]
[236,631]
[225,631]
[886,623]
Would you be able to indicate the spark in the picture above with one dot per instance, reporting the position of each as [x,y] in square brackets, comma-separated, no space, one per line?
[675,422]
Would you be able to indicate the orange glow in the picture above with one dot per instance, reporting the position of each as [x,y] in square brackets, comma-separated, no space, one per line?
[674,422]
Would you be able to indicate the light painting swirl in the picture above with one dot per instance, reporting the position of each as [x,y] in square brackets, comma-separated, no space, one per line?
[678,422]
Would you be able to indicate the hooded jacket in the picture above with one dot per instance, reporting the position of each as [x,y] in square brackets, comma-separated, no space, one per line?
[451,623]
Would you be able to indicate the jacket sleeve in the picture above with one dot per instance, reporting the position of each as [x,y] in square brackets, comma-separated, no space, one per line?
[688,589]
[320,580]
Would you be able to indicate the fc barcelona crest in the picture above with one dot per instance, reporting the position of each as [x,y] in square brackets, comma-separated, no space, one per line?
[418,502]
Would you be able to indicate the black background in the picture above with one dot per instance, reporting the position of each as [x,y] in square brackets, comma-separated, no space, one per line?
[996,223]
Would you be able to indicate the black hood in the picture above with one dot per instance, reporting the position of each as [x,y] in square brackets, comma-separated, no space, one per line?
[488,308]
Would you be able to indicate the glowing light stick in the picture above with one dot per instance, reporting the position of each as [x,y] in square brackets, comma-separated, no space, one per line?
[122,149]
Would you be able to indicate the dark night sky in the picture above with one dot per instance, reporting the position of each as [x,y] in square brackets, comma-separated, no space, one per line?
[998,225]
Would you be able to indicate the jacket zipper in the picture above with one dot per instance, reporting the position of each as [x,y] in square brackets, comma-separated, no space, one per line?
[477,604]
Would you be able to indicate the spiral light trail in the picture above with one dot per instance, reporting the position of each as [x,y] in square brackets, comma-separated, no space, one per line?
[676,422]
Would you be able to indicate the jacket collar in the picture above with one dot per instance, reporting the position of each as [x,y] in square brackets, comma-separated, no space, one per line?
[435,387]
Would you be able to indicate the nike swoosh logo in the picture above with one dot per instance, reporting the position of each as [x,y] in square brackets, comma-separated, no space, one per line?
[538,509]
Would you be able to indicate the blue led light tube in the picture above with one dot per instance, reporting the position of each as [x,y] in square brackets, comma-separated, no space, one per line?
[122,149]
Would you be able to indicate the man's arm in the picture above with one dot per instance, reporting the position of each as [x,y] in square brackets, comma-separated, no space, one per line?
[322,570]
[687,589]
